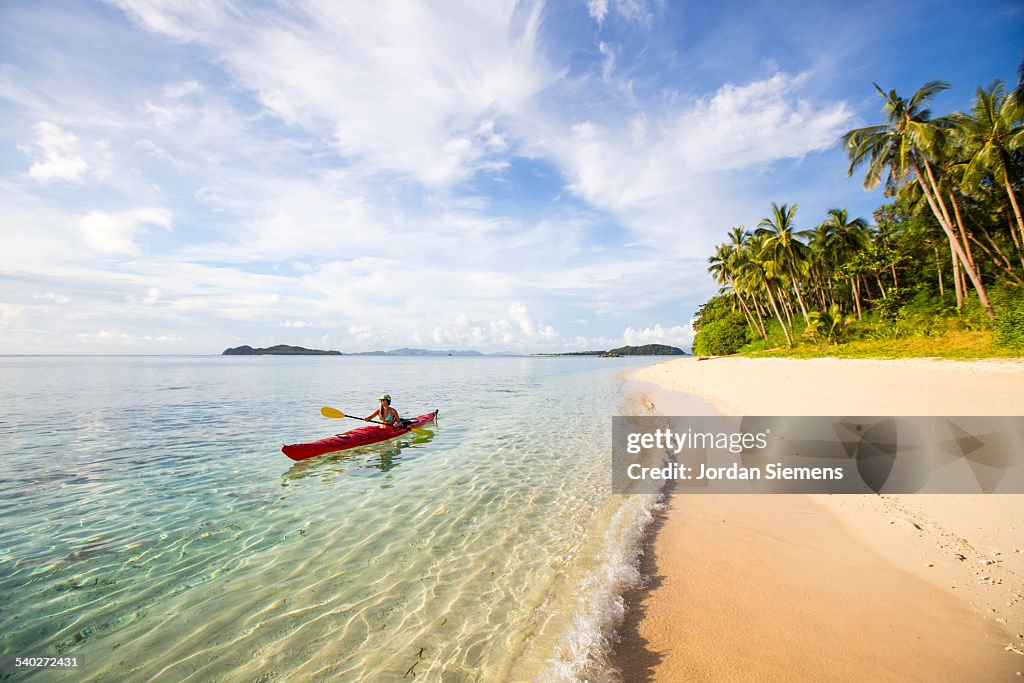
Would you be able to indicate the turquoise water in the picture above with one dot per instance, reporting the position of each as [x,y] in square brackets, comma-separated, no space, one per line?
[150,523]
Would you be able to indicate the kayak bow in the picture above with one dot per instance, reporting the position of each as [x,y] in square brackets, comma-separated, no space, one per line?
[361,436]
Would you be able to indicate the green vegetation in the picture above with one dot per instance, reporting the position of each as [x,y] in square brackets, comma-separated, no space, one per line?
[721,330]
[939,273]
[645,350]
[648,350]
[279,350]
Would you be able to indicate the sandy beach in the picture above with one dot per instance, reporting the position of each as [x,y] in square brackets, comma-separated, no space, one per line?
[799,587]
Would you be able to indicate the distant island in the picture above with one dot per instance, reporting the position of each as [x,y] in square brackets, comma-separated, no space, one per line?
[279,350]
[286,350]
[645,350]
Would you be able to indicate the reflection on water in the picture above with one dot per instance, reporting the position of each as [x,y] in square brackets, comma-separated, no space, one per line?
[383,456]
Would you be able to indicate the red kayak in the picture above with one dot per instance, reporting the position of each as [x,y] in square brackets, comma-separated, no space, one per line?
[361,436]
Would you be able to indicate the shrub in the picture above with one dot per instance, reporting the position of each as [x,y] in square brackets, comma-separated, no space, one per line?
[1008,302]
[721,337]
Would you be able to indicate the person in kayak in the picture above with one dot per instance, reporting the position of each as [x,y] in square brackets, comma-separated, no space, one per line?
[387,414]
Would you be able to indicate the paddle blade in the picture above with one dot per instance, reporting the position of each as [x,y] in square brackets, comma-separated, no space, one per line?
[331,412]
[424,432]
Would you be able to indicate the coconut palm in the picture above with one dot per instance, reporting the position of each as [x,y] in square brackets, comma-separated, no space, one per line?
[991,134]
[783,245]
[902,149]
[725,266]
[842,238]
[765,271]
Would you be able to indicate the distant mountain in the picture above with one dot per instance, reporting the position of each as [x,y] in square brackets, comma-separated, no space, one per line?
[645,350]
[279,350]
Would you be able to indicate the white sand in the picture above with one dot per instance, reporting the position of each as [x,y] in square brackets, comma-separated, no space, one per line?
[776,587]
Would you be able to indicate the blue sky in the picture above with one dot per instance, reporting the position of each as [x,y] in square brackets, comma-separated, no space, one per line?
[513,176]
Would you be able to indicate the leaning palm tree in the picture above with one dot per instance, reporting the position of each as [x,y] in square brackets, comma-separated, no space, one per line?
[724,266]
[783,245]
[766,273]
[899,150]
[991,134]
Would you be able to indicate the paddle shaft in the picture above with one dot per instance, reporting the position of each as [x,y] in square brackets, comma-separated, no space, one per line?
[335,413]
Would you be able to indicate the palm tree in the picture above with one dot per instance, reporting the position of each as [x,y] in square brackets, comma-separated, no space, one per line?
[842,238]
[724,267]
[765,271]
[991,134]
[783,245]
[899,150]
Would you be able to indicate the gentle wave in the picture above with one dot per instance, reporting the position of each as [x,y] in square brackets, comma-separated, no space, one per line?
[583,654]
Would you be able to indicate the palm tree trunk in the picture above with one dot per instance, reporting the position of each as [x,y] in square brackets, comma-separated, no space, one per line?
[771,297]
[998,257]
[750,317]
[746,314]
[938,268]
[799,298]
[880,287]
[764,332]
[963,231]
[747,318]
[1013,202]
[757,306]
[855,293]
[956,277]
[1016,242]
[759,323]
[895,282]
[931,193]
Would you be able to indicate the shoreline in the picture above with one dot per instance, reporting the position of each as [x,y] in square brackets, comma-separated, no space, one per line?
[741,586]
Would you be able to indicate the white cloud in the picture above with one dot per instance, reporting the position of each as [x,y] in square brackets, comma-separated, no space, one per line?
[762,122]
[412,88]
[675,335]
[182,89]
[58,155]
[115,233]
[739,127]
[687,170]
[51,296]
[635,11]
[527,325]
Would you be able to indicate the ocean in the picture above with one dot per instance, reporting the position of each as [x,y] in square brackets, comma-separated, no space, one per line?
[150,524]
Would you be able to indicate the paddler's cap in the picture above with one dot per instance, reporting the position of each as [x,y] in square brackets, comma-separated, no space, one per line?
[385,397]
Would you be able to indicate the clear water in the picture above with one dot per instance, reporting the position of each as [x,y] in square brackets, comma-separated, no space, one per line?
[150,523]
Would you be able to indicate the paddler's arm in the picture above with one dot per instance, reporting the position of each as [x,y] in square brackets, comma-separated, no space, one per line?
[375,413]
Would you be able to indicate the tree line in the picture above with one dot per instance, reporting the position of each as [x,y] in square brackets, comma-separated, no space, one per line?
[952,234]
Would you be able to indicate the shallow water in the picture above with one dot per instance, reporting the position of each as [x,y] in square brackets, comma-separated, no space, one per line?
[150,523]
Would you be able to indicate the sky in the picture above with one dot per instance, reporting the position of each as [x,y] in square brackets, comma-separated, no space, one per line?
[181,177]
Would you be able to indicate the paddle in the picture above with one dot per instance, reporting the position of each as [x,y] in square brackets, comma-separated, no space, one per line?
[334,412]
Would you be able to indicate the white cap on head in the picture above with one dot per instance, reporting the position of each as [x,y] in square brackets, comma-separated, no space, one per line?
[385,397]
